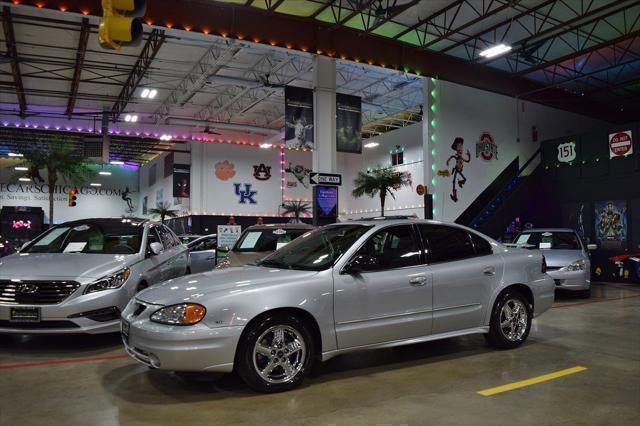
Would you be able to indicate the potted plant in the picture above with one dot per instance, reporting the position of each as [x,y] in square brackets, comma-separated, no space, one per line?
[379,181]
[163,210]
[295,209]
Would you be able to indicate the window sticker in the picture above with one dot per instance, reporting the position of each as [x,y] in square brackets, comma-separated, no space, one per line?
[279,232]
[280,245]
[544,245]
[75,247]
[523,238]
[250,240]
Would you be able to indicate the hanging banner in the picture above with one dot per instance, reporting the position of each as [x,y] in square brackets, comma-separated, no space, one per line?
[298,113]
[181,181]
[611,224]
[620,144]
[348,123]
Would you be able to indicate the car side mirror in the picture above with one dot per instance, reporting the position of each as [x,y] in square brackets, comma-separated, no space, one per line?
[360,263]
[592,246]
[156,248]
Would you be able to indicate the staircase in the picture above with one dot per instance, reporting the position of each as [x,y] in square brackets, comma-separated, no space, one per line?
[504,199]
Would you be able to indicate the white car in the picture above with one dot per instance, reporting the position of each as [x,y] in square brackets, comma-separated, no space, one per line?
[78,276]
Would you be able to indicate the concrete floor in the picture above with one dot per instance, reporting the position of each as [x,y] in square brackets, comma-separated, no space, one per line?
[432,383]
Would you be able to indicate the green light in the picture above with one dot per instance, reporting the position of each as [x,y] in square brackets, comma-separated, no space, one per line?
[433,152]
[433,93]
[406,70]
[433,181]
[434,197]
[434,122]
[433,80]
[433,137]
[434,212]
[584,162]
[418,72]
[597,159]
[434,107]
[433,167]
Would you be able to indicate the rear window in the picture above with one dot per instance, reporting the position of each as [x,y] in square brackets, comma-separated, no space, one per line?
[549,240]
[261,240]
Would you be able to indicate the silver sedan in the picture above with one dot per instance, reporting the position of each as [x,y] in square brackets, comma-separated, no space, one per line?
[78,276]
[341,288]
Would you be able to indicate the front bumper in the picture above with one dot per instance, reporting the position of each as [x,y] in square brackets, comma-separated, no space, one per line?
[571,280]
[63,318]
[178,348]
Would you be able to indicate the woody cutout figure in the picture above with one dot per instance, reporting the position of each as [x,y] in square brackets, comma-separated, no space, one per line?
[459,166]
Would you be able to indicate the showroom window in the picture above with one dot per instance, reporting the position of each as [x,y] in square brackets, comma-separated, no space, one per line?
[394,247]
[447,243]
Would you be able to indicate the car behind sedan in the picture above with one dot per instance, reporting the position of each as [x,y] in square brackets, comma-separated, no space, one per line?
[78,276]
[341,288]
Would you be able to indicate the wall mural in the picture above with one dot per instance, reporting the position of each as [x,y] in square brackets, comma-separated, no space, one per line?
[611,223]
[225,170]
[298,112]
[300,172]
[486,148]
[458,168]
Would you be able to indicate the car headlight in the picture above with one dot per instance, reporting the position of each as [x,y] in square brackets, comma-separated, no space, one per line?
[110,282]
[182,314]
[224,263]
[578,265]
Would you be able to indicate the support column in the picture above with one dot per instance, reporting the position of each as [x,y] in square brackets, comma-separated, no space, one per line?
[324,115]
[429,138]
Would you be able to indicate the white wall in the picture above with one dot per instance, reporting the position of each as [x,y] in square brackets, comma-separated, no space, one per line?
[163,185]
[105,201]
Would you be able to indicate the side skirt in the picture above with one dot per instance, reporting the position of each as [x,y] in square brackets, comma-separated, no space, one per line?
[476,330]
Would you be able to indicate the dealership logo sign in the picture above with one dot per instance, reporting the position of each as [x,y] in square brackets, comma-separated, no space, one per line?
[567,152]
[486,148]
[262,172]
[620,144]
[246,196]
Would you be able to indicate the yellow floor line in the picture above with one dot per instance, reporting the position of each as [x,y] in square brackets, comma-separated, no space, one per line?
[531,381]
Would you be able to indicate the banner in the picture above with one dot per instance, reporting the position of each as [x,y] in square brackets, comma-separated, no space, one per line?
[181,181]
[348,123]
[611,224]
[298,113]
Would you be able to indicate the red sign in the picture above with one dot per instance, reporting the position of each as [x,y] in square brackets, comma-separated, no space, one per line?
[420,189]
[620,144]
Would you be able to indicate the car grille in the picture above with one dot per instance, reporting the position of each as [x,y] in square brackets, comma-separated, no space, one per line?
[36,292]
[38,325]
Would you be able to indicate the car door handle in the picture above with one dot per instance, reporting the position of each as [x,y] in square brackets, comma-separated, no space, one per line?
[418,281]
[210,258]
[489,271]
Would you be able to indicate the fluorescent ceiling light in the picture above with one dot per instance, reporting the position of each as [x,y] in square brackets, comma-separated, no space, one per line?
[14,154]
[131,118]
[265,145]
[145,93]
[24,179]
[165,137]
[105,173]
[148,93]
[371,144]
[153,93]
[22,169]
[495,51]
[117,162]
[96,184]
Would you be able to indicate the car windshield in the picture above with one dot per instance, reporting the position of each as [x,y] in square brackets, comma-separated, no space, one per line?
[550,240]
[271,239]
[90,237]
[317,250]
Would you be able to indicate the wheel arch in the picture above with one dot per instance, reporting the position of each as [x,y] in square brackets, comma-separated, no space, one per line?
[523,289]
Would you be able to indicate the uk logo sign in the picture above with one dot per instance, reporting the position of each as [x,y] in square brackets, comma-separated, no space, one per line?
[246,196]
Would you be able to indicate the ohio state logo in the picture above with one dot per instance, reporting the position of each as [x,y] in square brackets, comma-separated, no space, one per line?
[486,148]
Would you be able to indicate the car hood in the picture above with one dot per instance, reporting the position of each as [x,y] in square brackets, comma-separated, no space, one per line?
[560,258]
[76,266]
[245,258]
[194,288]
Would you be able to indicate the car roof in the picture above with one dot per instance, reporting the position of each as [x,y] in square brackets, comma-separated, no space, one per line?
[549,230]
[107,220]
[282,226]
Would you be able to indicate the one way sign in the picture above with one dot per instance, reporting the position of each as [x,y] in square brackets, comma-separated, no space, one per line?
[325,179]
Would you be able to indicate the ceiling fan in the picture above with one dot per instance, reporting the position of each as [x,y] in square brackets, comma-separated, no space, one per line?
[388,8]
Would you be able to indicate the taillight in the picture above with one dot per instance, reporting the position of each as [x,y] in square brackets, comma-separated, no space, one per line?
[544,265]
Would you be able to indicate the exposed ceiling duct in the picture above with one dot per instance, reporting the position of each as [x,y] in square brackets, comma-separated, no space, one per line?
[227,126]
[222,80]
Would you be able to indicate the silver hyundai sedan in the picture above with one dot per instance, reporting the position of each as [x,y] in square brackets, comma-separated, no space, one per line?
[341,288]
[78,276]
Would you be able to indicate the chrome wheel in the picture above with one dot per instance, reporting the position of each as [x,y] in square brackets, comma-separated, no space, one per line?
[279,354]
[514,320]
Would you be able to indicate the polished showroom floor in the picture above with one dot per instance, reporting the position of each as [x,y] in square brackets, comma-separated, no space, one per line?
[84,380]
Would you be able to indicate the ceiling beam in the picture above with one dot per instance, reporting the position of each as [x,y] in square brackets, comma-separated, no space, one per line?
[275,5]
[361,6]
[12,54]
[326,6]
[457,3]
[154,43]
[77,71]
[400,9]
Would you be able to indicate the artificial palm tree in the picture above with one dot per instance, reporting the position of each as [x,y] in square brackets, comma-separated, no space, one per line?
[59,161]
[379,181]
[163,210]
[295,209]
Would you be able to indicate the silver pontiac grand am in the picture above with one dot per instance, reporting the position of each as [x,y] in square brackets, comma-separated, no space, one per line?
[341,288]
[78,276]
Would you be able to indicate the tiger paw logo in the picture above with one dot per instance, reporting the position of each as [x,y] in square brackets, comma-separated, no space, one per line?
[262,172]
[225,170]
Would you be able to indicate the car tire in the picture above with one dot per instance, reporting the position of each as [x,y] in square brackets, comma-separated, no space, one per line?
[275,354]
[505,331]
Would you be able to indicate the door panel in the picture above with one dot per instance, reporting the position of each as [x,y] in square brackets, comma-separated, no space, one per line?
[384,303]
